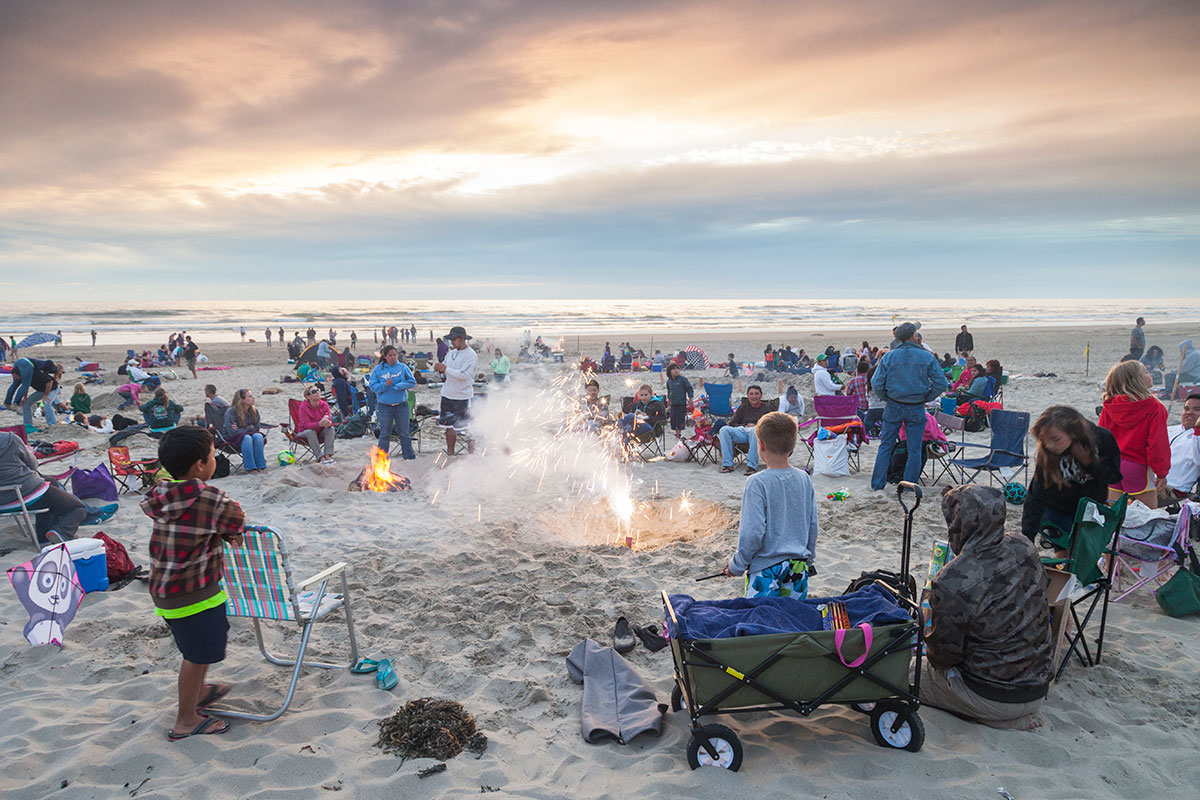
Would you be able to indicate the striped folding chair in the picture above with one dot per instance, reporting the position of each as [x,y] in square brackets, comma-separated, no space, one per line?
[258,583]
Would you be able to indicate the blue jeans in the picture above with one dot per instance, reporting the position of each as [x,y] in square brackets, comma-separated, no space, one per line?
[913,420]
[47,409]
[731,435]
[394,417]
[22,367]
[252,451]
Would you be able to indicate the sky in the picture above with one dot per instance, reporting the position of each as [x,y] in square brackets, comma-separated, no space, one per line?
[487,149]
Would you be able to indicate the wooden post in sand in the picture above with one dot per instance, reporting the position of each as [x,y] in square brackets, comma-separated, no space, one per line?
[1087,358]
[1175,386]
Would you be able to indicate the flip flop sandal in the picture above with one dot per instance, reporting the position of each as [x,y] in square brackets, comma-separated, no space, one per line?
[212,693]
[218,726]
[364,666]
[623,640]
[386,677]
[726,470]
[750,470]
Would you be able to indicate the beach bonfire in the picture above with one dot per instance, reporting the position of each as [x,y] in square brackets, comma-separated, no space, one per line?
[377,476]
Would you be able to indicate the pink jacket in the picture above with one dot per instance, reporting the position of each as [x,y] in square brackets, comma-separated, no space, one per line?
[933,431]
[307,417]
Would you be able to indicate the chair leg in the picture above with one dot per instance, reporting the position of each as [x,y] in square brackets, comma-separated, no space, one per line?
[287,700]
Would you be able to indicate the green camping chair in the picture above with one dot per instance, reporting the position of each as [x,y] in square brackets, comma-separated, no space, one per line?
[1085,543]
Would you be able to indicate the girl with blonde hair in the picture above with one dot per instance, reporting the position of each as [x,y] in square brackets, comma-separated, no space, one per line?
[1138,421]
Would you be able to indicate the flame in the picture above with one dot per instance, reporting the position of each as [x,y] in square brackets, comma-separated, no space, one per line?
[685,503]
[378,476]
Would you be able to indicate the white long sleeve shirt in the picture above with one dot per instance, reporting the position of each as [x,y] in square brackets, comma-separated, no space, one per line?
[823,383]
[460,374]
[1185,457]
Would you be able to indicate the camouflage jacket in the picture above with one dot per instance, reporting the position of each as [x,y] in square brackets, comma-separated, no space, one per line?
[989,612]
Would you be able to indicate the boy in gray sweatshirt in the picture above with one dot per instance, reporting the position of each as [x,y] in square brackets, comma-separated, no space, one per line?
[778,532]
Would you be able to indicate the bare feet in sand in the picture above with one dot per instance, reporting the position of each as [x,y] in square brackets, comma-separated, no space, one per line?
[1028,722]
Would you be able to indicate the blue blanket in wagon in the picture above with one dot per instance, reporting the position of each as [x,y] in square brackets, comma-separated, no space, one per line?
[742,616]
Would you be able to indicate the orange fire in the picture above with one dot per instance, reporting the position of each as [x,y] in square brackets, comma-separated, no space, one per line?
[378,475]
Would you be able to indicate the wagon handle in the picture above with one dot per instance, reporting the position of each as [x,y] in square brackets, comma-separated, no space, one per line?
[670,611]
[906,486]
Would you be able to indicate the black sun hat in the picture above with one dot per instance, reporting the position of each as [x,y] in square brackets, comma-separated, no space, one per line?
[458,330]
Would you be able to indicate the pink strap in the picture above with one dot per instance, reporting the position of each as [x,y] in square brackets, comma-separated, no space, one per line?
[839,636]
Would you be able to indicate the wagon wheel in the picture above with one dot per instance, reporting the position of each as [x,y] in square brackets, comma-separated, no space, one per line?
[676,697]
[724,741]
[909,735]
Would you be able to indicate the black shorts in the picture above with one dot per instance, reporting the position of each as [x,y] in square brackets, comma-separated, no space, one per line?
[678,415]
[455,413]
[201,637]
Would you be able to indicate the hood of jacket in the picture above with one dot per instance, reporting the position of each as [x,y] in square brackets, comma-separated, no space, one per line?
[1128,412]
[168,500]
[974,516]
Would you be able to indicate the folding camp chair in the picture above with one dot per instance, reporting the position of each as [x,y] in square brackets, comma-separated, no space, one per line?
[12,505]
[1005,452]
[61,477]
[1148,565]
[720,401]
[1093,534]
[840,414]
[258,583]
[214,420]
[125,469]
[300,446]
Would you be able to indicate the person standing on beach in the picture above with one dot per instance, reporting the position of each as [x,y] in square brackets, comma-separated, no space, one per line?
[412,334]
[353,340]
[189,354]
[243,332]
[964,343]
[93,337]
[906,379]
[268,332]
[390,380]
[1137,339]
[458,367]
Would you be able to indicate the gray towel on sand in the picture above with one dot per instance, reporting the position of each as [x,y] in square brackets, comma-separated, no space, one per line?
[617,703]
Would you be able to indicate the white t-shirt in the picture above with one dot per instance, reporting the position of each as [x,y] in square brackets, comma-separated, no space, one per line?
[1185,457]
[460,374]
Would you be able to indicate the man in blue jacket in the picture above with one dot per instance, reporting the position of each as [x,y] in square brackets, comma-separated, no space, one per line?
[390,381]
[907,378]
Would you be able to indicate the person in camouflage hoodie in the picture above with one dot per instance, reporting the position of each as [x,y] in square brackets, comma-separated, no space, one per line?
[989,646]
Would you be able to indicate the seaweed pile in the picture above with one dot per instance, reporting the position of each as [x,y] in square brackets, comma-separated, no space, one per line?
[430,728]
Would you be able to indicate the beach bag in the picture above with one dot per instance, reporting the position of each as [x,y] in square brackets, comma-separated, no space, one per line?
[976,419]
[679,452]
[1180,596]
[354,426]
[223,466]
[831,457]
[120,565]
[96,483]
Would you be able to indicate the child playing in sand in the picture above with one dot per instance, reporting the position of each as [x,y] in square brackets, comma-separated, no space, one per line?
[81,401]
[778,532]
[191,519]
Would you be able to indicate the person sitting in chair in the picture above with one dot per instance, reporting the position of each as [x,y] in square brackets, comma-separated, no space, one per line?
[990,655]
[1185,453]
[648,413]
[740,430]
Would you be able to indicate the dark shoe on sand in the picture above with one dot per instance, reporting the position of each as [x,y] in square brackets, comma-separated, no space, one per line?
[623,640]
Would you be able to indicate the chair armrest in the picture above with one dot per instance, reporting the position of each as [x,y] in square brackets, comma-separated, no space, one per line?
[323,575]
[1011,453]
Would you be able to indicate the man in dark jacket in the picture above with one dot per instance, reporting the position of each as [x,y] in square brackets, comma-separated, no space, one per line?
[989,647]
[964,343]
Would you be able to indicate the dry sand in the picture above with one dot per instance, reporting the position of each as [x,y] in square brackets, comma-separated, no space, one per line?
[478,596]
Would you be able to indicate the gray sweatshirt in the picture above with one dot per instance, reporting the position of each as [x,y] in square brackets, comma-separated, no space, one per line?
[779,520]
[18,467]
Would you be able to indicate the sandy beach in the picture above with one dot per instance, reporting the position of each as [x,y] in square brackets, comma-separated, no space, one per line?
[480,580]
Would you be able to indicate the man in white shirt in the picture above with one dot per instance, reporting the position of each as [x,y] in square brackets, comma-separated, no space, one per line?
[458,368]
[823,382]
[1185,450]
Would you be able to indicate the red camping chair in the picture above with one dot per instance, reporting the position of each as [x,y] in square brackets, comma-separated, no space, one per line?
[299,445]
[124,469]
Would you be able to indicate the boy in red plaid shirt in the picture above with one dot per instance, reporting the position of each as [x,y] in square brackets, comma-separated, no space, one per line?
[191,519]
[858,386]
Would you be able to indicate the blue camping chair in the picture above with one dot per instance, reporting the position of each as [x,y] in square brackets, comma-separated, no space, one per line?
[720,399]
[1006,450]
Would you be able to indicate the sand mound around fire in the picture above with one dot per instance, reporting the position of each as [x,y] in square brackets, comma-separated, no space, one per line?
[653,524]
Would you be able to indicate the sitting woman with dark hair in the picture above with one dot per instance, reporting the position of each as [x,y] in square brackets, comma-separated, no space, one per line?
[1075,459]
[977,389]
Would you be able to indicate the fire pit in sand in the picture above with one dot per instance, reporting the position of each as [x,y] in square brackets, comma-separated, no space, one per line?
[377,476]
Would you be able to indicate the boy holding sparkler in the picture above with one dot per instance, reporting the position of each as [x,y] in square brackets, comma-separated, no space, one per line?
[778,532]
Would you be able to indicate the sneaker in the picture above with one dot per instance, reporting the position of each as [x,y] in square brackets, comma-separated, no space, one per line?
[329,462]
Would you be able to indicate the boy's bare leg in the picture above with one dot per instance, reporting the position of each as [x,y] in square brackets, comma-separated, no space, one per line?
[191,683]
[451,440]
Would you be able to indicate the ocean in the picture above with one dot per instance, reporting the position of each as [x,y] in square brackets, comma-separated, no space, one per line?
[151,323]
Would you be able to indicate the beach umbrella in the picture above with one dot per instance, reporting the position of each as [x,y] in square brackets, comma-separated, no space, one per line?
[34,339]
[50,591]
[695,357]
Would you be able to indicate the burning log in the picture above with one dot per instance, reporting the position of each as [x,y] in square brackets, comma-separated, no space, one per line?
[378,476]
